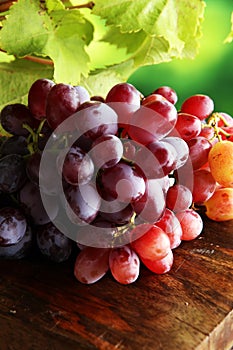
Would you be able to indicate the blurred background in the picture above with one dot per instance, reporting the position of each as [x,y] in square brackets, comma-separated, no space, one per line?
[211,72]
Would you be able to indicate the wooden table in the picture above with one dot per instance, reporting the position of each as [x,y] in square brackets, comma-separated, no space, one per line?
[42,306]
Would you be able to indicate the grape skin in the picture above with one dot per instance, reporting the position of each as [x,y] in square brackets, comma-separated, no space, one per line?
[191,223]
[13,226]
[219,206]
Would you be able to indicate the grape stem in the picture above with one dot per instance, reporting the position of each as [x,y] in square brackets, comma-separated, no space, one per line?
[213,123]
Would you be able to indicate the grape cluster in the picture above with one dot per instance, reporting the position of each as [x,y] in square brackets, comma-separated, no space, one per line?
[116,180]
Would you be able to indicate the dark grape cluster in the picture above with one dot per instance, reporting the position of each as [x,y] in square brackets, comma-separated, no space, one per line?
[113,178]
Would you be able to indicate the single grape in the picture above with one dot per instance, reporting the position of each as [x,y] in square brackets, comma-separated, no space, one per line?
[199,148]
[168,93]
[62,102]
[14,145]
[219,206]
[199,105]
[21,249]
[178,198]
[125,99]
[160,266]
[191,223]
[157,159]
[181,148]
[37,97]
[53,244]
[14,116]
[171,226]
[82,93]
[153,245]
[204,185]
[91,264]
[13,226]
[116,212]
[31,202]
[188,126]
[124,264]
[12,173]
[77,168]
[122,182]
[83,203]
[207,132]
[106,151]
[153,121]
[221,163]
[95,119]
[151,205]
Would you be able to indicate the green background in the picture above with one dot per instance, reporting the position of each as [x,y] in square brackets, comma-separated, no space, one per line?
[211,72]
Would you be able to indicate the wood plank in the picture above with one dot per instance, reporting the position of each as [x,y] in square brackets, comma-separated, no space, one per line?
[42,306]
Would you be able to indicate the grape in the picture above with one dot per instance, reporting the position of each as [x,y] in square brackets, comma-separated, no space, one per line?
[124,264]
[153,245]
[91,264]
[160,266]
[168,93]
[19,250]
[171,226]
[199,148]
[53,244]
[221,163]
[13,116]
[37,97]
[157,159]
[226,129]
[203,185]
[97,98]
[95,119]
[82,93]
[31,202]
[191,223]
[83,203]
[13,226]
[179,197]
[48,175]
[77,168]
[219,206]
[181,148]
[115,211]
[107,151]
[84,142]
[188,126]
[122,182]
[199,105]
[12,173]
[153,121]
[207,132]
[62,101]
[33,167]
[124,98]
[151,205]
[14,144]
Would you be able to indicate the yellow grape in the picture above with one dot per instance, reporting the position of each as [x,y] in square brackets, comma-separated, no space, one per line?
[221,162]
[220,205]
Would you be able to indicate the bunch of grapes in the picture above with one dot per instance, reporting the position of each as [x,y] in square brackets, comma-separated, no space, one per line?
[117,180]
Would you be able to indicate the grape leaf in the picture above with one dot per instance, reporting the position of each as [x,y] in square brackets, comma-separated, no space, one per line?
[17,76]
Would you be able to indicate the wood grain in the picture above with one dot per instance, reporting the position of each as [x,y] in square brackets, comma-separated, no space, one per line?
[42,306]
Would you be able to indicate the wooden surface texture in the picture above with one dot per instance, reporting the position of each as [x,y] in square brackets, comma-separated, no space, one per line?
[43,307]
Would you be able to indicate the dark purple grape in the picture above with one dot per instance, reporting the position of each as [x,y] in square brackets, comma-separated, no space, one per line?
[53,244]
[37,97]
[12,173]
[33,167]
[13,226]
[13,117]
[95,119]
[122,182]
[116,214]
[84,142]
[77,168]
[62,102]
[14,144]
[83,203]
[31,202]
[19,250]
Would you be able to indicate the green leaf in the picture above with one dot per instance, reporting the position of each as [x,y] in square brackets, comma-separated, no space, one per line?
[17,76]
[229,38]
[54,5]
[69,35]
[24,31]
